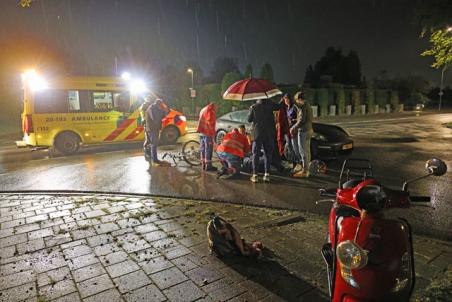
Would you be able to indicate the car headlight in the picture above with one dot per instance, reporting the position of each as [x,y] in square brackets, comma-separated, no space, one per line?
[404,274]
[319,137]
[351,255]
[346,274]
[183,118]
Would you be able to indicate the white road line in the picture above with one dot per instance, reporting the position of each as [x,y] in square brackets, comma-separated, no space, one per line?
[374,121]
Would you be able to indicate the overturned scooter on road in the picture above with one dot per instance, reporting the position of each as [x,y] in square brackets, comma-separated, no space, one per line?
[370,257]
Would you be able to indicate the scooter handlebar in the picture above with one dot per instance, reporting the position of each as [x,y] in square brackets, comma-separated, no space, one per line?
[327,192]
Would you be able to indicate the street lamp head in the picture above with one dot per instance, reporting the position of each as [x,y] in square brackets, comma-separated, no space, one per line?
[449,29]
[189,70]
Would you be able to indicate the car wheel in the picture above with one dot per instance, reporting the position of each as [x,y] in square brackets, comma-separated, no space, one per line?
[67,143]
[219,137]
[169,135]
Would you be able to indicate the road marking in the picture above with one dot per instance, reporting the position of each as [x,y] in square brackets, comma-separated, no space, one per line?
[374,121]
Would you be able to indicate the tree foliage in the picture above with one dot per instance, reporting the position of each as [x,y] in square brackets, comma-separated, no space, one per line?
[441,48]
[267,72]
[248,71]
[433,15]
[335,67]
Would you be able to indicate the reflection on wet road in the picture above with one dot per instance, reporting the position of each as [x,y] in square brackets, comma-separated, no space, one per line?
[394,161]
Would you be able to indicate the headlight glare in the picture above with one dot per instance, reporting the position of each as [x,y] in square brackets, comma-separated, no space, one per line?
[351,255]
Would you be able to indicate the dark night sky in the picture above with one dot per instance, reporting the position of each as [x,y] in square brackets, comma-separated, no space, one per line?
[289,34]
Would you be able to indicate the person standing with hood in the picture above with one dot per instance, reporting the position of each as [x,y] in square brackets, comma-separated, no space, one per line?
[263,135]
[302,131]
[206,129]
[154,113]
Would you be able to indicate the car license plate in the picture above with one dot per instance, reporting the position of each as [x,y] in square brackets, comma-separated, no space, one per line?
[347,146]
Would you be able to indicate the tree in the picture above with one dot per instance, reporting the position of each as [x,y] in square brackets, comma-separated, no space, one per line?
[267,72]
[441,49]
[248,71]
[221,66]
[229,79]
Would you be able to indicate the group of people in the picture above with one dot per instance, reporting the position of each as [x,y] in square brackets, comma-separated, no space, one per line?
[271,136]
[286,134]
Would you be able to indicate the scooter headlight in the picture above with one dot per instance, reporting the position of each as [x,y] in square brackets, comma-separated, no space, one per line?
[351,255]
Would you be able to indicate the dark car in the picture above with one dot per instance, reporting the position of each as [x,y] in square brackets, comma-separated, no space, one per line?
[328,141]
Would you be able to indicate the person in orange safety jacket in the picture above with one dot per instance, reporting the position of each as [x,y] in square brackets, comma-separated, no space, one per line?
[206,129]
[233,148]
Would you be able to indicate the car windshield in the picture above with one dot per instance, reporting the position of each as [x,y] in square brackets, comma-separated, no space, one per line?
[118,141]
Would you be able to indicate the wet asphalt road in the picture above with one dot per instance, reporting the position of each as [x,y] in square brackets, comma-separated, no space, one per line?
[397,147]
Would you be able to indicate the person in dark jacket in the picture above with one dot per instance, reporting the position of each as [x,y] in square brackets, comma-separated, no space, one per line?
[263,134]
[302,130]
[153,117]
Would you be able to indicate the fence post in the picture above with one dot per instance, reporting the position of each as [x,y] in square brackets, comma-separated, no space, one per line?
[363,109]
[348,110]
[332,110]
[315,111]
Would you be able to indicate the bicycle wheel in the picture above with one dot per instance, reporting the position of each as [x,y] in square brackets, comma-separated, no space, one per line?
[191,153]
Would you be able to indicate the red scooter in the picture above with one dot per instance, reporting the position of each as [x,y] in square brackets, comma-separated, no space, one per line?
[370,257]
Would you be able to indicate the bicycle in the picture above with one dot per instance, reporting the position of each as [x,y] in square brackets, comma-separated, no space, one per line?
[191,154]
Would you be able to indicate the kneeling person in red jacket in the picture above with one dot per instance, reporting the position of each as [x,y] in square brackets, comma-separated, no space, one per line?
[232,150]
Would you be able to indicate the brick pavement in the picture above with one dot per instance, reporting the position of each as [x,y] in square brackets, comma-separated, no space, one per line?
[125,248]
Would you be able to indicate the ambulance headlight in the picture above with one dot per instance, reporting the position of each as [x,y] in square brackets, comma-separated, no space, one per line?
[183,118]
[137,86]
[34,81]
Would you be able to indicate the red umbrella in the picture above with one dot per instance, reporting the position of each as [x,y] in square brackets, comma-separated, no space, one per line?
[251,89]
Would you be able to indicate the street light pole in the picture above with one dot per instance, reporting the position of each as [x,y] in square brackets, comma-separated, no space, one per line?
[441,88]
[190,71]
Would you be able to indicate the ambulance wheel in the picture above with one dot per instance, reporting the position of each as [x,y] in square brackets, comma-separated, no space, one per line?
[67,143]
[169,135]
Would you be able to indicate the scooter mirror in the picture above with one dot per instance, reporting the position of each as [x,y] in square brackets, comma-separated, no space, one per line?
[436,167]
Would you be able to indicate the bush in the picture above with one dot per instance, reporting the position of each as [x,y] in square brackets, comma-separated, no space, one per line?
[370,100]
[340,101]
[322,99]
[394,100]
[356,101]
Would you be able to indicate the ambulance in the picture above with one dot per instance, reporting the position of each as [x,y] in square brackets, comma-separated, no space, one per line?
[67,113]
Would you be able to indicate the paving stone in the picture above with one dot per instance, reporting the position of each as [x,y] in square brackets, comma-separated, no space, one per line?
[7,252]
[184,263]
[202,274]
[15,239]
[7,232]
[67,227]
[168,227]
[111,295]
[37,218]
[5,218]
[53,276]
[74,297]
[51,222]
[145,255]
[18,293]
[44,261]
[226,293]
[127,223]
[155,265]
[91,222]
[122,268]
[81,210]
[59,214]
[40,234]
[88,272]
[176,252]
[82,261]
[80,234]
[102,250]
[224,282]
[16,279]
[58,239]
[77,251]
[114,258]
[164,244]
[145,294]
[30,246]
[184,292]
[168,277]
[95,213]
[57,290]
[23,215]
[106,227]
[146,228]
[27,228]
[12,223]
[99,239]
[94,285]
[73,243]
[46,210]
[129,282]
